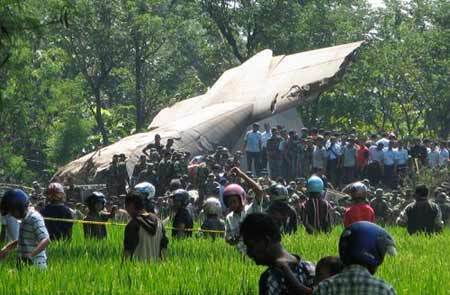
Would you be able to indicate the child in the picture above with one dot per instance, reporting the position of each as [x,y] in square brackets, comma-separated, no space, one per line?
[212,209]
[234,197]
[360,210]
[96,203]
[56,209]
[33,235]
[145,238]
[327,267]
[287,273]
[362,248]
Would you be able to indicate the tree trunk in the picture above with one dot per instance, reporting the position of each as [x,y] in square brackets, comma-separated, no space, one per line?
[138,87]
[99,117]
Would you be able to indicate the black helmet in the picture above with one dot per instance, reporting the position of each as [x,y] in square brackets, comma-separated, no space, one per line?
[14,199]
[181,196]
[95,197]
[278,192]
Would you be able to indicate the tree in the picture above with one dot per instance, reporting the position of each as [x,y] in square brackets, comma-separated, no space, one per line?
[95,42]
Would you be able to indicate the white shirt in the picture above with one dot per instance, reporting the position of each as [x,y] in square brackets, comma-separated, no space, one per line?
[389,157]
[334,151]
[319,157]
[384,141]
[12,226]
[375,155]
[265,137]
[443,157]
[433,158]
[401,156]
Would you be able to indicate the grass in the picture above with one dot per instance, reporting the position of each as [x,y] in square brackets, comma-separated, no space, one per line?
[200,266]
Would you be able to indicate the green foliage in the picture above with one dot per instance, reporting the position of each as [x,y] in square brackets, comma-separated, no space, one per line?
[399,82]
[201,266]
[112,65]
[68,138]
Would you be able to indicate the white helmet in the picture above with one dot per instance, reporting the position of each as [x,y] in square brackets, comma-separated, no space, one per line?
[147,189]
[358,190]
[212,206]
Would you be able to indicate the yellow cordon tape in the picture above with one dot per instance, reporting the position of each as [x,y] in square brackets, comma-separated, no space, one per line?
[123,224]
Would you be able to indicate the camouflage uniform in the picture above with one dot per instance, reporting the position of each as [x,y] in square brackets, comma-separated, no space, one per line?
[443,202]
[381,207]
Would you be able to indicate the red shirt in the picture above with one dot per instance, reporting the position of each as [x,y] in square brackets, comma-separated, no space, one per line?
[358,212]
[362,156]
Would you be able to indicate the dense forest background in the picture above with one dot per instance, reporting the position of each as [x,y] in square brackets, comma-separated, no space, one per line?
[79,74]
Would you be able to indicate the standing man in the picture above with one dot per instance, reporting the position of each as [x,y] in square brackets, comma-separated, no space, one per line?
[433,157]
[389,166]
[362,159]
[292,147]
[423,215]
[273,154]
[443,155]
[265,136]
[401,159]
[319,157]
[375,168]
[122,180]
[253,145]
[349,161]
[155,145]
[333,154]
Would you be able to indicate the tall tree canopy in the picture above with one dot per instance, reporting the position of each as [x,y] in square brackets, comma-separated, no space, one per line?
[76,75]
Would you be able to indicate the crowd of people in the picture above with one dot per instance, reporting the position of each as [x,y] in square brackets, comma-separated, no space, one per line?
[317,180]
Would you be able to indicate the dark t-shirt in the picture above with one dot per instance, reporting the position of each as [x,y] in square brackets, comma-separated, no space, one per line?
[58,229]
[182,217]
[213,223]
[96,231]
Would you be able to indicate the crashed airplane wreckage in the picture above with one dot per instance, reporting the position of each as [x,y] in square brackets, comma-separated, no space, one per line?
[262,87]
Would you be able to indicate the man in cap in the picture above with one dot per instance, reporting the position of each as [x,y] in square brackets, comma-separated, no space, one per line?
[380,206]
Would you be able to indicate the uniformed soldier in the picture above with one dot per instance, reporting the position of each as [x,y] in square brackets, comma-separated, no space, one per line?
[381,207]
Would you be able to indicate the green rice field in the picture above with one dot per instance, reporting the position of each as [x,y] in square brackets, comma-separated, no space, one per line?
[202,266]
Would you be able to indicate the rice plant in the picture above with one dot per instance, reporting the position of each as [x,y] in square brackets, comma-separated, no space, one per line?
[204,266]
